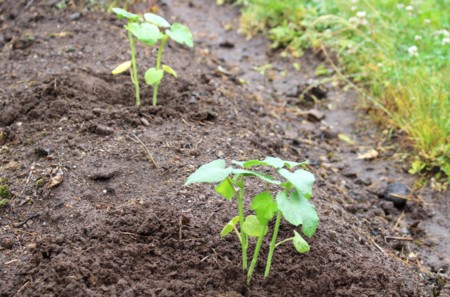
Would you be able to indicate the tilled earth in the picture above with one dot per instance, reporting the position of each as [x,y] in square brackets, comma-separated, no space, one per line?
[90,214]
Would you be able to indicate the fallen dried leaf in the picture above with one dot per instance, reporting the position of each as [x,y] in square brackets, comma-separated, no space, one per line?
[369,155]
[55,181]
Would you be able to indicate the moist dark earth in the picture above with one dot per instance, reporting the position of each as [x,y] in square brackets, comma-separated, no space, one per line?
[90,214]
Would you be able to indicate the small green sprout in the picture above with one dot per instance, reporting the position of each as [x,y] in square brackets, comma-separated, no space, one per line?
[149,31]
[292,202]
[178,33]
[133,20]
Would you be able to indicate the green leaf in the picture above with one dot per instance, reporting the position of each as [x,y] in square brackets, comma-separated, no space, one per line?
[4,203]
[264,177]
[264,206]
[229,226]
[145,33]
[212,172]
[156,20]
[153,76]
[300,244]
[302,180]
[269,161]
[169,70]
[181,34]
[252,226]
[122,67]
[298,210]
[226,189]
[123,14]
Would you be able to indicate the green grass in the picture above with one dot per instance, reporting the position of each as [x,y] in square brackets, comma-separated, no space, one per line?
[397,53]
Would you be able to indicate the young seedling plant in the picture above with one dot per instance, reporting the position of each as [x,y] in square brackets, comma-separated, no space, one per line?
[151,30]
[292,202]
[133,21]
[178,33]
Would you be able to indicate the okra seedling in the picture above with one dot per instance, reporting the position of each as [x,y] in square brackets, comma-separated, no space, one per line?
[292,202]
[133,20]
[178,33]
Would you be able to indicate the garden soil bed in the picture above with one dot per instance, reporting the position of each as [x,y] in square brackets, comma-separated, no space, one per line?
[91,215]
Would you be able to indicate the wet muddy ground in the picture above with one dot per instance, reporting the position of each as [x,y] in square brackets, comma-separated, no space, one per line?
[90,215]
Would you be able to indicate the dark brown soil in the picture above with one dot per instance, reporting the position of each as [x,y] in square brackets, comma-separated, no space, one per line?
[89,215]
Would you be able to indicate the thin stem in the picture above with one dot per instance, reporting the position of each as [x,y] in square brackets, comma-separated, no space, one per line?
[244,239]
[283,241]
[134,76]
[256,254]
[158,66]
[272,244]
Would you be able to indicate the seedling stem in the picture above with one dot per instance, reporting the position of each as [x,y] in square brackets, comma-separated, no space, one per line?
[272,244]
[134,76]
[158,67]
[244,239]
[256,254]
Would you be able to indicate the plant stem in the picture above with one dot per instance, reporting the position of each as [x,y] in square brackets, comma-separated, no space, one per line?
[244,239]
[158,66]
[283,241]
[256,254]
[272,244]
[134,76]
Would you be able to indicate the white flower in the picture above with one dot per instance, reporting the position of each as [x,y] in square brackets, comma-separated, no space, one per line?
[353,8]
[409,8]
[413,51]
[417,37]
[354,1]
[400,6]
[353,20]
[361,14]
[446,40]
[427,21]
[443,32]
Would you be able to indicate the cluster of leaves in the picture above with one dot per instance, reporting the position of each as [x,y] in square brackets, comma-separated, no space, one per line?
[398,54]
[150,30]
[292,202]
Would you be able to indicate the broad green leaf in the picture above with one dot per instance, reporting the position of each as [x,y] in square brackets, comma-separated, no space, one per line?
[156,20]
[252,226]
[229,226]
[298,210]
[264,177]
[226,189]
[269,161]
[145,33]
[122,67]
[123,14]
[181,34]
[302,180]
[212,172]
[278,163]
[300,244]
[153,76]
[169,70]
[264,206]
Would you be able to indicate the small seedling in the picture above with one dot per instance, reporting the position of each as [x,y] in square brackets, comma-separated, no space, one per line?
[178,33]
[292,202]
[133,21]
[149,31]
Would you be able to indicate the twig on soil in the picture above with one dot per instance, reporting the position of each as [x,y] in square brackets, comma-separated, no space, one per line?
[149,156]
[21,288]
[28,179]
[377,246]
[205,258]
[26,220]
[399,219]
[398,238]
